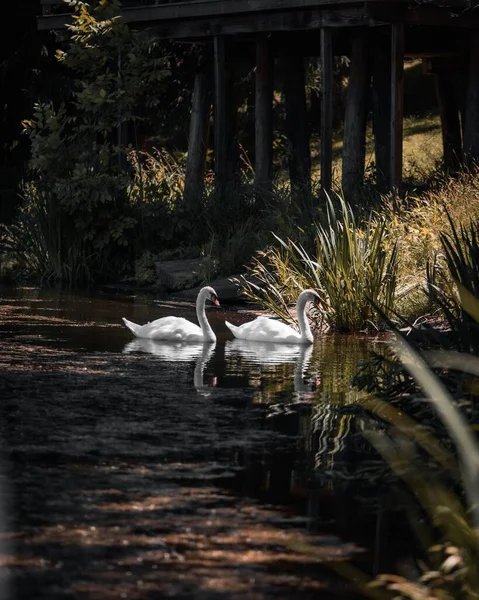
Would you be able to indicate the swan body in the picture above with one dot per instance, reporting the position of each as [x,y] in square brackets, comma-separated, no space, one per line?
[267,329]
[179,329]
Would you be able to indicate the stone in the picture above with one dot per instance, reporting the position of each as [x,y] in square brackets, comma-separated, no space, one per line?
[178,275]
[226,289]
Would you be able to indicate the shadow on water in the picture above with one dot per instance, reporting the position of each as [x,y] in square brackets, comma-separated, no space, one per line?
[143,469]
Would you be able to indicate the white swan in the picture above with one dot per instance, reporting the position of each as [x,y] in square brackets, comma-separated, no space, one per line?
[179,329]
[266,329]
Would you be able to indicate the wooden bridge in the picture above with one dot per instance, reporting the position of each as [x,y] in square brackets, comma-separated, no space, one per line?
[377,35]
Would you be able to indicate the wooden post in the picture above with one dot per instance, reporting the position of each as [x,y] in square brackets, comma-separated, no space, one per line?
[297,124]
[381,106]
[326,108]
[220,124]
[354,141]
[263,117]
[396,124]
[471,129]
[198,138]
[447,98]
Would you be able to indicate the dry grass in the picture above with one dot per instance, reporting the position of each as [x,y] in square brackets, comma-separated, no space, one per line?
[422,149]
[416,224]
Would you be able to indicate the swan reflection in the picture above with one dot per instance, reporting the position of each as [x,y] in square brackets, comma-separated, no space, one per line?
[264,352]
[177,352]
[271,354]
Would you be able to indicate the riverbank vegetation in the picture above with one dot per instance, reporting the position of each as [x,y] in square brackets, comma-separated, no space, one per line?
[102,201]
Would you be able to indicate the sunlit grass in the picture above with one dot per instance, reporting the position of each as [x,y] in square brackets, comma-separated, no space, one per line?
[422,149]
[352,265]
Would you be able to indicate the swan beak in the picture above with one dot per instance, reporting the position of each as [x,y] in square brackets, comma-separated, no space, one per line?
[215,300]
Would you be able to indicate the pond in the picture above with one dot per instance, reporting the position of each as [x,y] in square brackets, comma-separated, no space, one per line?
[134,469]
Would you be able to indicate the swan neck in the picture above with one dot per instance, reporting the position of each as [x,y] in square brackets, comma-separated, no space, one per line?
[304,327]
[208,332]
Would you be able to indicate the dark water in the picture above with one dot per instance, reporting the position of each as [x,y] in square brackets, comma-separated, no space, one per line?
[150,470]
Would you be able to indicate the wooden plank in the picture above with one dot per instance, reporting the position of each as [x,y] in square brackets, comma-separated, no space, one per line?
[191,25]
[454,15]
[354,140]
[198,138]
[446,85]
[471,128]
[299,156]
[220,124]
[263,117]
[396,124]
[437,16]
[381,86]
[326,108]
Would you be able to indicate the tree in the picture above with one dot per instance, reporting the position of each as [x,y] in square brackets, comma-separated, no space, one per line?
[78,167]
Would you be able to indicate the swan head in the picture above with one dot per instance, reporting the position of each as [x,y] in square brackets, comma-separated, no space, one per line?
[208,293]
[310,295]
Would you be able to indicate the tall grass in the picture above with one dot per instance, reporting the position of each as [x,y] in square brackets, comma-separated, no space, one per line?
[442,476]
[453,284]
[350,265]
[452,568]
[44,242]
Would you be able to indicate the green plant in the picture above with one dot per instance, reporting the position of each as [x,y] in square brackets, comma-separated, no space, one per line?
[350,266]
[453,570]
[453,284]
[440,471]
[46,245]
[78,161]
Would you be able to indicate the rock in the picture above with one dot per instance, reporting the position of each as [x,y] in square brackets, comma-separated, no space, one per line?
[178,275]
[185,278]
[227,290]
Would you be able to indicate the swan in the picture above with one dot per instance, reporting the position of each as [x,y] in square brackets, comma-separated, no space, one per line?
[177,328]
[266,329]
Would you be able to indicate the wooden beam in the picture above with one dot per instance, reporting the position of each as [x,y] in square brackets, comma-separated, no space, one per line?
[326,108]
[299,158]
[263,117]
[167,25]
[396,123]
[471,128]
[198,138]
[447,97]
[220,124]
[354,140]
[381,64]
[224,8]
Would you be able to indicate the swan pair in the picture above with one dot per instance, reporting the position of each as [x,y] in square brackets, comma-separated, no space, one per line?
[262,329]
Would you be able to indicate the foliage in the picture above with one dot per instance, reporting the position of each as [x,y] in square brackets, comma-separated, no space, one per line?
[418,220]
[116,73]
[439,389]
[45,243]
[439,467]
[452,571]
[454,283]
[350,266]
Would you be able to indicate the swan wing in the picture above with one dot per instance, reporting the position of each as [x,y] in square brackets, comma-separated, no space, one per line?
[171,328]
[266,329]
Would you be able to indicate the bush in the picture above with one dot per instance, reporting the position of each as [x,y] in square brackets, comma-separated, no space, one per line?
[351,266]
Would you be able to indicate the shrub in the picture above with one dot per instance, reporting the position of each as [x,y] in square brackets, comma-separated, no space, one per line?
[78,166]
[350,266]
